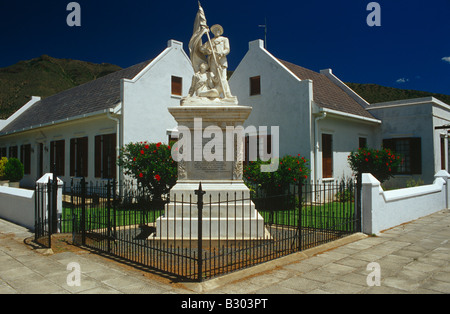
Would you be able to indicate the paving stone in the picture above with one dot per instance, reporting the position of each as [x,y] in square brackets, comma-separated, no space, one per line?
[300,284]
[437,285]
[342,287]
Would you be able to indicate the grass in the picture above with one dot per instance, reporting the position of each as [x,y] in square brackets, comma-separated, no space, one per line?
[98,217]
[332,215]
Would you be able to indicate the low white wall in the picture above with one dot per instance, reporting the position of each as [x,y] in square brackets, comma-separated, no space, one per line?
[17,206]
[382,210]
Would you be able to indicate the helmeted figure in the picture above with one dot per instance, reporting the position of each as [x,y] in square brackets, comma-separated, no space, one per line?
[209,83]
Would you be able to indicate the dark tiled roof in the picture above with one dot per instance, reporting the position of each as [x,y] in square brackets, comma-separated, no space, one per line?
[97,95]
[326,93]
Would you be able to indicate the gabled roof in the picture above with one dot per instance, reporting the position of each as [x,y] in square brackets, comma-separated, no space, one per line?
[94,96]
[326,93]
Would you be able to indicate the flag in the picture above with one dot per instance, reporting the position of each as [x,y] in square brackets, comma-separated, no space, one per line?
[200,28]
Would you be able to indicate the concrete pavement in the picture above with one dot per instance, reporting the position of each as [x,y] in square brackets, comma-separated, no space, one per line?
[409,259]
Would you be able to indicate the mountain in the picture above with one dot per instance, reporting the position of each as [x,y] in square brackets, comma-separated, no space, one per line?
[44,76]
[374,93]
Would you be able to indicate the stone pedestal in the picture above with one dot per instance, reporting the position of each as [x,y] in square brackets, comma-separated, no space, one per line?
[228,213]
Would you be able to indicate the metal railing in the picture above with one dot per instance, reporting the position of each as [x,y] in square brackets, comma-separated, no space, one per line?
[200,236]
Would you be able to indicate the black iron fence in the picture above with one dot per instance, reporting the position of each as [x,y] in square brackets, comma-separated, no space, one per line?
[201,235]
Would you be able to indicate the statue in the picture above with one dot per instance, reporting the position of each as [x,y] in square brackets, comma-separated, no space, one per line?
[209,61]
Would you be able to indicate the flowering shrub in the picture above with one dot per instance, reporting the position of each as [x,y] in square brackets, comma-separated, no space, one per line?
[381,163]
[151,165]
[291,170]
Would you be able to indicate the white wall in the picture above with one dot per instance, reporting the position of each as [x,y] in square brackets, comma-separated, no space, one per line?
[285,100]
[382,210]
[17,206]
[147,97]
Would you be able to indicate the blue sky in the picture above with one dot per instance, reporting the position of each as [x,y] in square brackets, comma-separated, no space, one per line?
[408,50]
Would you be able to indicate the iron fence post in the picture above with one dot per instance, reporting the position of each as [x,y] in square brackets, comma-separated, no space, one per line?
[83,211]
[49,212]
[54,202]
[300,204]
[200,194]
[358,221]
[108,214]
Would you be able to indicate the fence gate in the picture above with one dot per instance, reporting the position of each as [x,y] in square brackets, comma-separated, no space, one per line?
[46,218]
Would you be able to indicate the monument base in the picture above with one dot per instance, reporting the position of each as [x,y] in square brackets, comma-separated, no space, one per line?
[228,213]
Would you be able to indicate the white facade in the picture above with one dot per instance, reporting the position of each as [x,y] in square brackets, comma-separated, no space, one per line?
[288,102]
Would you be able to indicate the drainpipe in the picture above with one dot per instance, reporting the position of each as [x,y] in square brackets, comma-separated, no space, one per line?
[317,145]
[118,140]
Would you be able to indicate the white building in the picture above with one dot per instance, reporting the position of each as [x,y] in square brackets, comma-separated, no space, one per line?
[418,130]
[81,129]
[318,116]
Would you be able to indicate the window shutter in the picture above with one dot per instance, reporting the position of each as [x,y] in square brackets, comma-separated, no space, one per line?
[327,156]
[61,161]
[85,155]
[113,156]
[389,144]
[255,85]
[72,157]
[98,156]
[416,155]
[177,86]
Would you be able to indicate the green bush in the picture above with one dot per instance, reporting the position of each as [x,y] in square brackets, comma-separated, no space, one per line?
[14,170]
[151,165]
[291,170]
[381,163]
[3,162]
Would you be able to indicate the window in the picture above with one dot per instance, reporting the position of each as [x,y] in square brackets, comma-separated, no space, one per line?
[13,153]
[410,150]
[25,158]
[362,142]
[57,157]
[3,152]
[177,86]
[252,146]
[255,85]
[327,156]
[79,157]
[442,153]
[105,156]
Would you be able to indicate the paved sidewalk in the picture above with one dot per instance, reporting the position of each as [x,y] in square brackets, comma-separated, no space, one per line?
[412,258]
